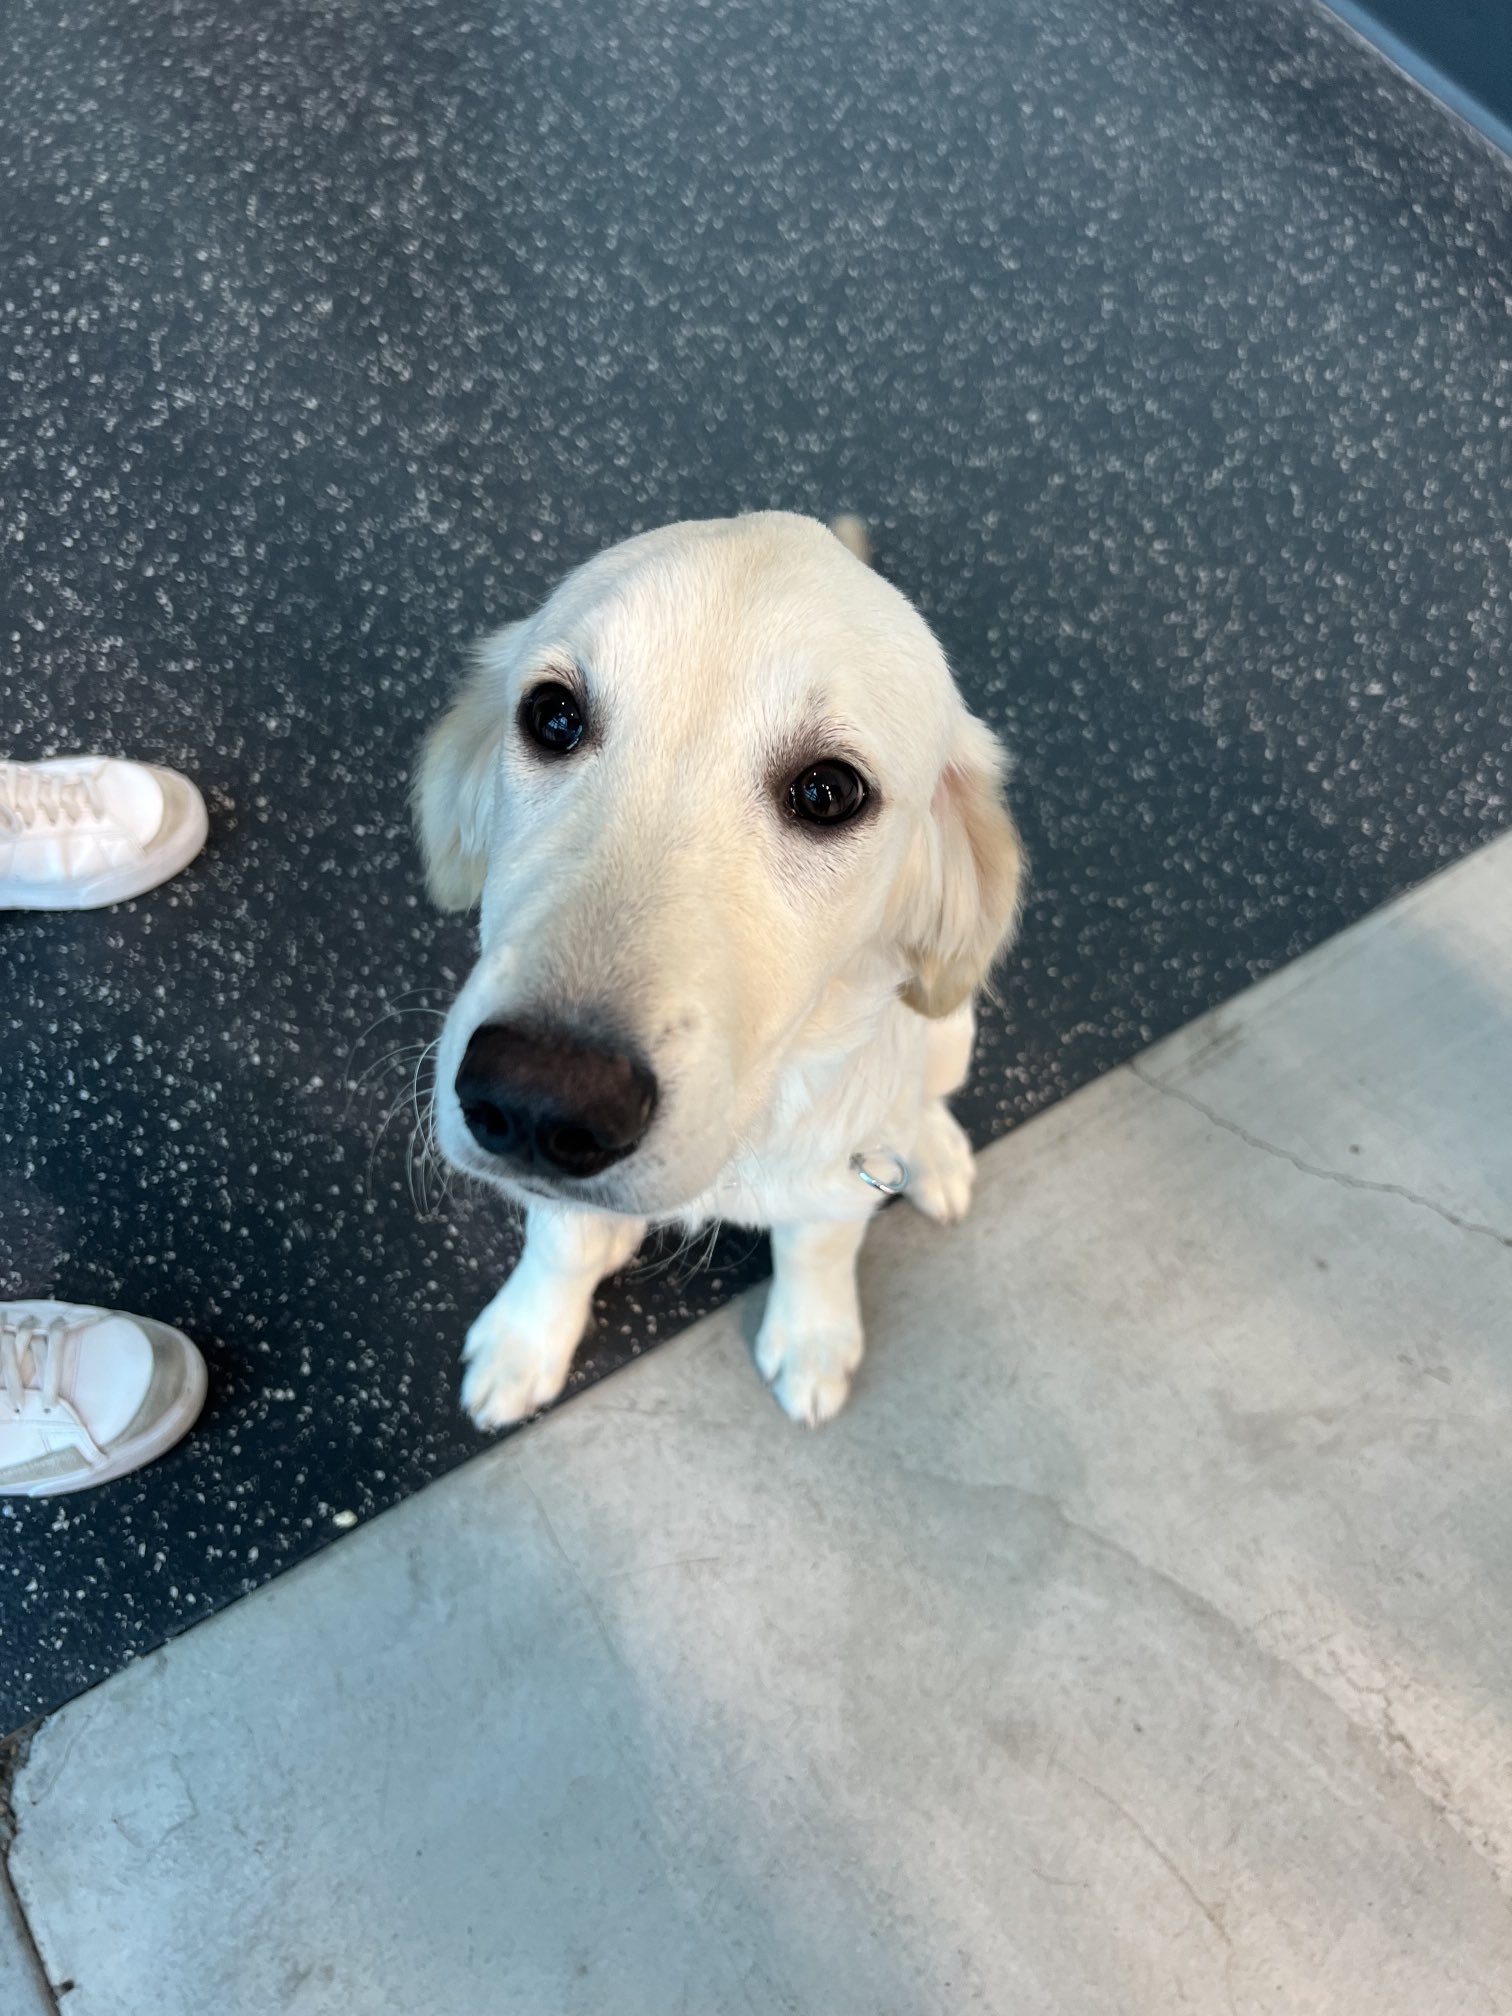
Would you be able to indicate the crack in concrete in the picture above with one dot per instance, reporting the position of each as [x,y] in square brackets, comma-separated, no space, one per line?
[1341,1176]
[1213,1913]
[1398,1755]
[13,1753]
[12,1756]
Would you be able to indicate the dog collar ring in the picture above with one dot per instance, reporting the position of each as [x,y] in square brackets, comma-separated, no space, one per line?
[893,1182]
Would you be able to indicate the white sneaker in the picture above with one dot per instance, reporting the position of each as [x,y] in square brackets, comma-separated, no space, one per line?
[88,1394]
[80,831]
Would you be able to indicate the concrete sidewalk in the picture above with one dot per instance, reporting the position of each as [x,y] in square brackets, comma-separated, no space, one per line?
[1140,1640]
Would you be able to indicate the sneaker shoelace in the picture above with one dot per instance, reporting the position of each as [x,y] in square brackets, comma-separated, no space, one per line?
[28,797]
[24,1340]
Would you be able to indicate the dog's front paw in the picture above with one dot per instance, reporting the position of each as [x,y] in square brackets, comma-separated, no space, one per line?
[517,1360]
[807,1360]
[944,1168]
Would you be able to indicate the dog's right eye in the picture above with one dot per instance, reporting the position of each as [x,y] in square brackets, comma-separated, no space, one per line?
[553,718]
[826,794]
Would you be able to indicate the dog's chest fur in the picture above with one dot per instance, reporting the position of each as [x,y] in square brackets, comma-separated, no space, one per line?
[827,1108]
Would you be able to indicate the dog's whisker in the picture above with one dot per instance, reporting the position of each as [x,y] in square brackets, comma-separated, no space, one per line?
[651,1269]
[716,1227]
[389,1014]
[408,1002]
[441,1170]
[388,1119]
[404,1055]
[698,1240]
[423,1149]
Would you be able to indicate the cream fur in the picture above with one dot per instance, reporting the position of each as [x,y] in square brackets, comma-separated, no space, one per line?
[801,996]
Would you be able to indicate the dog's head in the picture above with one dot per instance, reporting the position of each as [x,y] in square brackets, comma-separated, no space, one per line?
[720,799]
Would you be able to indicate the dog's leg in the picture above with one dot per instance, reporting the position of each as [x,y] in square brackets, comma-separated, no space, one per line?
[810,1339]
[942,1168]
[947,1051]
[519,1350]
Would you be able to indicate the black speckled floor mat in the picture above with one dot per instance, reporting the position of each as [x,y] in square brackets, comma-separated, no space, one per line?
[1169,361]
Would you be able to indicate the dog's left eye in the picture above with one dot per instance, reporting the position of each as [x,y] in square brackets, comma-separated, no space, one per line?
[826,794]
[553,719]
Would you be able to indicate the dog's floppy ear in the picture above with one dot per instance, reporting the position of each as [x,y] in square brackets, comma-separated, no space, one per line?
[957,902]
[456,783]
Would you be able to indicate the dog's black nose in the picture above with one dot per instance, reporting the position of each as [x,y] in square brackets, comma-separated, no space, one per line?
[544,1099]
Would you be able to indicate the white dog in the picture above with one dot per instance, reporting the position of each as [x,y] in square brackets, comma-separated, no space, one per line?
[743,860]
